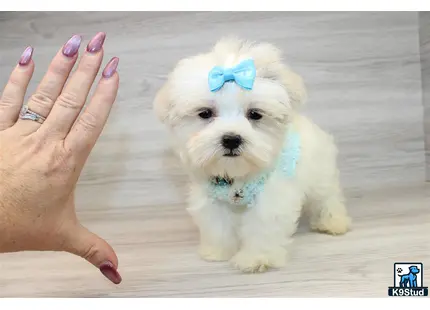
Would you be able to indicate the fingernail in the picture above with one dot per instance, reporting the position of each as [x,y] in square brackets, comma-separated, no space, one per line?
[110,272]
[96,42]
[26,56]
[110,67]
[72,46]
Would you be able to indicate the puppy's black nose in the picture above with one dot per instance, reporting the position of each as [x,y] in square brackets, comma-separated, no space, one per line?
[231,141]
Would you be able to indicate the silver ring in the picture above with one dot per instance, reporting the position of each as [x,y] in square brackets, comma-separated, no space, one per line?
[26,113]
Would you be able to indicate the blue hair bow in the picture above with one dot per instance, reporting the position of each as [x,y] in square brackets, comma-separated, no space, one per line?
[243,74]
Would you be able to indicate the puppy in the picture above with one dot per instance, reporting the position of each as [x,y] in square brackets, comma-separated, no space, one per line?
[254,162]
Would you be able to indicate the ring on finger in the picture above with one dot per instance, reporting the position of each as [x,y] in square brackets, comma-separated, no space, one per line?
[27,114]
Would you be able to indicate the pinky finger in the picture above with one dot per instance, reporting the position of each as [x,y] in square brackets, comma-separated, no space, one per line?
[91,122]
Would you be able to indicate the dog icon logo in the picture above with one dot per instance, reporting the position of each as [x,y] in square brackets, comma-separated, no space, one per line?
[408,280]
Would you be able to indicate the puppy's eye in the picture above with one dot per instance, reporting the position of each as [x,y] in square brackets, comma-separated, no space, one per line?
[254,115]
[206,113]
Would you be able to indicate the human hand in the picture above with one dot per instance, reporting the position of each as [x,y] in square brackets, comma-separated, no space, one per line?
[40,162]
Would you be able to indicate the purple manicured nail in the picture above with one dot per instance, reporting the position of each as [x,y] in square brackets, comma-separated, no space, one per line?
[96,43]
[72,46]
[26,56]
[109,271]
[110,67]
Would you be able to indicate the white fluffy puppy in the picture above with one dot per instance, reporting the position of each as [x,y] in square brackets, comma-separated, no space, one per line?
[254,161]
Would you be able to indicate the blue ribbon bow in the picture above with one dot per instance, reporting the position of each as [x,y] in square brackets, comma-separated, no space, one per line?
[243,74]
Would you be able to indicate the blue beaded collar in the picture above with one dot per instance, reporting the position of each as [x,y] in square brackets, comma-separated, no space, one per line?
[220,188]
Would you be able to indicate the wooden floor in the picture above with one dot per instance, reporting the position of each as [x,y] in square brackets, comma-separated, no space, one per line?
[424,34]
[364,80]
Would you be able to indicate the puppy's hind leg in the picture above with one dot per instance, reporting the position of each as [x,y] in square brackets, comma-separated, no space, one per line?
[326,209]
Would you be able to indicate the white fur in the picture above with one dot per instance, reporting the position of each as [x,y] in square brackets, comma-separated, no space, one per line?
[257,238]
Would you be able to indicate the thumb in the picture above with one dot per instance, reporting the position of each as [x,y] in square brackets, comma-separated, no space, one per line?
[95,250]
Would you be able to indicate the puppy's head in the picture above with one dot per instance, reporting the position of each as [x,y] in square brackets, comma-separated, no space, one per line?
[232,131]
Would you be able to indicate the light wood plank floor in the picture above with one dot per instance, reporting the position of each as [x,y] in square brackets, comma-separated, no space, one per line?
[363,75]
[424,34]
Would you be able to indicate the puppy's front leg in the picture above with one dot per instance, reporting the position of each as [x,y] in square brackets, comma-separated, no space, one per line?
[218,239]
[268,226]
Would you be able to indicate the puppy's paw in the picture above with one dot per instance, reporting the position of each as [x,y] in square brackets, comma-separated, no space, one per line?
[215,253]
[333,225]
[252,262]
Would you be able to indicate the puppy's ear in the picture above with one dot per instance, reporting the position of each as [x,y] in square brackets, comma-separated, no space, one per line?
[295,87]
[161,104]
